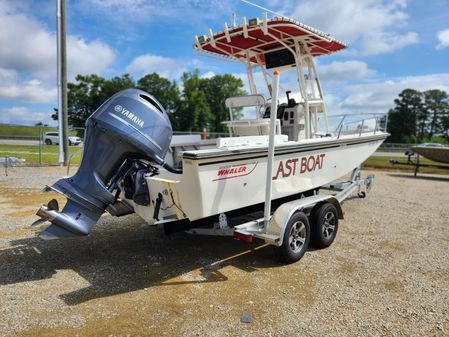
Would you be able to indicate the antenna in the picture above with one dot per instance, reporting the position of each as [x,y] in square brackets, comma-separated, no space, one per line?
[234,16]
[263,8]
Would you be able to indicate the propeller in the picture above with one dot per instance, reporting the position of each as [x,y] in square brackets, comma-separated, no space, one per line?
[51,206]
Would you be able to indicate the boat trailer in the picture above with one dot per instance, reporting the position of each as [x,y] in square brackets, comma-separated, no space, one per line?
[416,163]
[312,218]
[293,224]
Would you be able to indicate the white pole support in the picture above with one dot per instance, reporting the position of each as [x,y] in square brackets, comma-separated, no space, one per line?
[270,159]
[265,23]
[245,27]
[226,31]
[59,72]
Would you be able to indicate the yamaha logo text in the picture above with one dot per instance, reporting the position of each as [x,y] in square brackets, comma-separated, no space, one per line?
[120,109]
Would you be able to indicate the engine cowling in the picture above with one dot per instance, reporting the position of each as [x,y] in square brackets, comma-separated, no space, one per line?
[131,125]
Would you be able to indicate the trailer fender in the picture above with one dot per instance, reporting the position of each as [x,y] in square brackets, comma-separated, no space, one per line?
[283,213]
[334,202]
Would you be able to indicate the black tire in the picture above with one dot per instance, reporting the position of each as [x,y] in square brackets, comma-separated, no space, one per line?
[48,141]
[70,143]
[324,223]
[296,239]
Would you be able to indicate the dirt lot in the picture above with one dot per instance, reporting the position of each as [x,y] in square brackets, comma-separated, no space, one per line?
[386,274]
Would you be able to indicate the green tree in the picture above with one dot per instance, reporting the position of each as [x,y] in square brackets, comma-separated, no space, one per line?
[194,112]
[90,91]
[437,106]
[200,105]
[402,119]
[217,89]
[445,126]
[166,92]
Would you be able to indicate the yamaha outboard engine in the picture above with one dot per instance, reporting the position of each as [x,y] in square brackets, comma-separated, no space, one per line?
[125,136]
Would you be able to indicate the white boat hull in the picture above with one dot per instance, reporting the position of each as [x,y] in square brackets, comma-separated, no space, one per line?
[214,184]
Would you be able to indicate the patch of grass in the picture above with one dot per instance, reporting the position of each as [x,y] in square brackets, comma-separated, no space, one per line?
[26,131]
[377,162]
[22,130]
[31,153]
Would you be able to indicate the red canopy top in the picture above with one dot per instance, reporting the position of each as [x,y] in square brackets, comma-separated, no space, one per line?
[250,40]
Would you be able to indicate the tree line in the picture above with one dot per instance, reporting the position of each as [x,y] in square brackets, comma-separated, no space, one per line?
[419,117]
[196,104]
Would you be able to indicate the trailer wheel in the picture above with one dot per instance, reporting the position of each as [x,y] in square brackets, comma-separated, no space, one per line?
[296,239]
[48,141]
[324,225]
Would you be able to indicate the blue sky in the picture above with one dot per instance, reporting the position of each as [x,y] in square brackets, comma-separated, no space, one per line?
[393,45]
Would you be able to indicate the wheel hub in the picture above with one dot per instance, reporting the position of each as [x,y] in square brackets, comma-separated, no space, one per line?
[297,236]
[329,224]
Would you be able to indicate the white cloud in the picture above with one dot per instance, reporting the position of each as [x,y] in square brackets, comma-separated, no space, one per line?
[28,46]
[31,91]
[28,91]
[148,63]
[87,57]
[388,42]
[28,57]
[343,71]
[208,74]
[8,7]
[376,24]
[378,97]
[375,96]
[23,115]
[7,75]
[443,38]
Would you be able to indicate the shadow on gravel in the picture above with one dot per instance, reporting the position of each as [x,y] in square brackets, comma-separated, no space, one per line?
[124,259]
[421,177]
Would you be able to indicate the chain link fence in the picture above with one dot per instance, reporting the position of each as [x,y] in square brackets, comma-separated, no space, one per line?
[26,146]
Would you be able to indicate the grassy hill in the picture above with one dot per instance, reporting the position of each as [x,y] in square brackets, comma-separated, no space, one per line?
[25,131]
[9,130]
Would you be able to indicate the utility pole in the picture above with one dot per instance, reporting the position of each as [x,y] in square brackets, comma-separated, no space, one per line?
[62,82]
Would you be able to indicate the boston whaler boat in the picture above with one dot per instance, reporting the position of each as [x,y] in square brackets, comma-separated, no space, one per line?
[274,162]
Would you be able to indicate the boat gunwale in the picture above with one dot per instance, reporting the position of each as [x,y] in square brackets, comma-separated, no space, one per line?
[200,155]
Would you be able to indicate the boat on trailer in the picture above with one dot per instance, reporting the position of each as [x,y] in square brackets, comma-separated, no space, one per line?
[287,151]
[433,151]
[438,153]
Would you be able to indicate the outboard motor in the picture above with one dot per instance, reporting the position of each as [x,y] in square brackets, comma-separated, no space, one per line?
[125,136]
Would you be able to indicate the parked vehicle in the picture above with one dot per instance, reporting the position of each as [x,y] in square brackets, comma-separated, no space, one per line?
[51,138]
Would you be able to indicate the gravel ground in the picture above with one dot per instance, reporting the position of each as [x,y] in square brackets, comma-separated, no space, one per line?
[387,273]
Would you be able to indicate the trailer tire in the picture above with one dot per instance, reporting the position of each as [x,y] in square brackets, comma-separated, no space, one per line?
[324,220]
[296,239]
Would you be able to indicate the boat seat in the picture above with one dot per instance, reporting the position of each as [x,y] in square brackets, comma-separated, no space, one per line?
[279,112]
[252,127]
